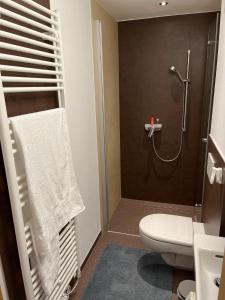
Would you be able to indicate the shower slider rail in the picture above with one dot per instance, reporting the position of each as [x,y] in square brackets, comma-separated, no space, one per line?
[38,70]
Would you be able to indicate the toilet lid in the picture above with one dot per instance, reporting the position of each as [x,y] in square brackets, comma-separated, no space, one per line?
[168,228]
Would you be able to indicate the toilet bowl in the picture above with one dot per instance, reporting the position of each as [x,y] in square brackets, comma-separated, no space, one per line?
[172,236]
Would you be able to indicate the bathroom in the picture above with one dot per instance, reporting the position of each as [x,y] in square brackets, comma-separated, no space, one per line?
[143,93]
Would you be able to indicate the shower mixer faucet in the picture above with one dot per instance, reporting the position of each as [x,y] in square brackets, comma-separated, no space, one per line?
[152,128]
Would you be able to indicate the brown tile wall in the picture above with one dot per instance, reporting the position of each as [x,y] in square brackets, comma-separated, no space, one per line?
[147,48]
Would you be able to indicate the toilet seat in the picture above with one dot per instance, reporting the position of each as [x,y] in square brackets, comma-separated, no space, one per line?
[168,233]
[170,229]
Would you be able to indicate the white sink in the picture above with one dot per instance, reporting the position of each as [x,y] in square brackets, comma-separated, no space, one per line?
[208,252]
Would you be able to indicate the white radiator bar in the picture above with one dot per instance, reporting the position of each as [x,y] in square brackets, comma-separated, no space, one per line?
[21,18]
[29,79]
[21,178]
[28,70]
[29,11]
[40,7]
[28,60]
[24,29]
[14,193]
[31,89]
[69,262]
[27,50]
[50,73]
[23,39]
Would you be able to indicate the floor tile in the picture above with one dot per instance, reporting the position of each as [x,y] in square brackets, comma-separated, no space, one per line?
[123,230]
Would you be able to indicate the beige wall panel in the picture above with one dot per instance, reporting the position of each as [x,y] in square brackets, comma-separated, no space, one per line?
[111,94]
[222,284]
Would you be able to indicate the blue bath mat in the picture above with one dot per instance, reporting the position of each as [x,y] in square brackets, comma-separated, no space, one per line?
[130,274]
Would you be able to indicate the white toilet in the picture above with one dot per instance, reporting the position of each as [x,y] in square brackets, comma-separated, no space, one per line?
[172,236]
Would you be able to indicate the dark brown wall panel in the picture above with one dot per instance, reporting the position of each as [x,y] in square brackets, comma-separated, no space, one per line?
[17,104]
[213,212]
[147,48]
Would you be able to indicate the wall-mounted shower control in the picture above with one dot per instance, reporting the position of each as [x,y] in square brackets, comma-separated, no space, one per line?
[152,128]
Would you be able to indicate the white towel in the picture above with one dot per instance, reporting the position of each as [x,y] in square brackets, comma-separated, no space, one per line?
[44,147]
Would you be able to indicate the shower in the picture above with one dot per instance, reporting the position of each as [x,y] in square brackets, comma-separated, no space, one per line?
[185,82]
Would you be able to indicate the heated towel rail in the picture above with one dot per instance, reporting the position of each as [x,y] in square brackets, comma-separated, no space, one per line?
[37,34]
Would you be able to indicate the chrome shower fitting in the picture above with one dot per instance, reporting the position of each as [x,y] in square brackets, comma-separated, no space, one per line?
[185,82]
[174,70]
[152,128]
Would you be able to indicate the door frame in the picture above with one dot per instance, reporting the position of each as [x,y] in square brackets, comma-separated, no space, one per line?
[100,101]
[206,139]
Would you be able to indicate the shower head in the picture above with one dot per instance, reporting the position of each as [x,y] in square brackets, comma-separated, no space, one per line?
[174,70]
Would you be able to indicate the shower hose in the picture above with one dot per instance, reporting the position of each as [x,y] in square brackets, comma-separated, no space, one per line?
[164,159]
[180,147]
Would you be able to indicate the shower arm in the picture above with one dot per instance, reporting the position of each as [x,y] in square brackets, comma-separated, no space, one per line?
[184,80]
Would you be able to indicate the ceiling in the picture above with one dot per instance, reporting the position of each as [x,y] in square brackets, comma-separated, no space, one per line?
[123,10]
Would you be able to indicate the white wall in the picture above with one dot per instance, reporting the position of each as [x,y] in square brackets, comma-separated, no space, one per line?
[218,118]
[80,103]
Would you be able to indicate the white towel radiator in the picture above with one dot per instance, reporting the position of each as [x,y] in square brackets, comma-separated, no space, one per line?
[45,34]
